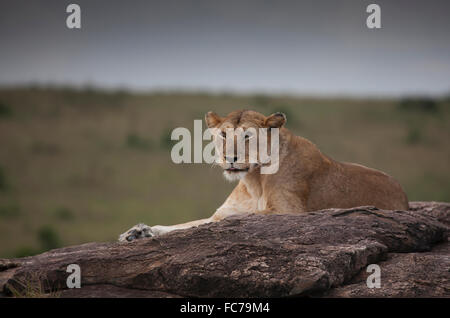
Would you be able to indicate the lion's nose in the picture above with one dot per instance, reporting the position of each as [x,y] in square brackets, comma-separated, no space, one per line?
[231,159]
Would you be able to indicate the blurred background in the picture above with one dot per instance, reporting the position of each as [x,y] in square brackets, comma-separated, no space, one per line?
[86,115]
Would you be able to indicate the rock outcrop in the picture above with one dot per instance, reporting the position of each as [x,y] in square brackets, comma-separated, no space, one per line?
[318,254]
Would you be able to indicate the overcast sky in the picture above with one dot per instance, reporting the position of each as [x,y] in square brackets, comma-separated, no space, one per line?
[302,47]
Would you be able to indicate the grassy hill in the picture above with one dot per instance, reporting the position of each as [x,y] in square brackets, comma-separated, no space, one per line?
[85,165]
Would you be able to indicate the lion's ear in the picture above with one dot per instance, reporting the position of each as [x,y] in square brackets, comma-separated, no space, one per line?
[276,120]
[212,119]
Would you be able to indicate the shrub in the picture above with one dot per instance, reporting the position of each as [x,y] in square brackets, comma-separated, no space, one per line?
[25,251]
[64,214]
[9,211]
[48,238]
[137,142]
[423,104]
[3,181]
[165,141]
[414,136]
[5,111]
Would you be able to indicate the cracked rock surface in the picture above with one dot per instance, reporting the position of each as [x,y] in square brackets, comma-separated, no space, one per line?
[318,254]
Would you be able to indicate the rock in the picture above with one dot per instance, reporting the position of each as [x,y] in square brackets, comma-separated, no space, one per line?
[424,274]
[405,275]
[322,253]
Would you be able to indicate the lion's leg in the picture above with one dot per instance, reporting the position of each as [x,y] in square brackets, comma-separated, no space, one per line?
[162,229]
[230,207]
[286,202]
[136,232]
[141,230]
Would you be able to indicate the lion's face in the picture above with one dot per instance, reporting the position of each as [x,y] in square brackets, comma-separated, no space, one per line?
[241,127]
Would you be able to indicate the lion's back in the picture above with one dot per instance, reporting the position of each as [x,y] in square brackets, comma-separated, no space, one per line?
[348,185]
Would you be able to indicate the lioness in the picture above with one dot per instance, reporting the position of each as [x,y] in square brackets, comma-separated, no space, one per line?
[306,180]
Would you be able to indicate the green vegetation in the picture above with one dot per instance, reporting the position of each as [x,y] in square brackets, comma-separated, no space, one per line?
[165,141]
[48,238]
[87,165]
[9,210]
[135,141]
[25,251]
[32,285]
[64,214]
[5,111]
[414,136]
[423,104]
[3,182]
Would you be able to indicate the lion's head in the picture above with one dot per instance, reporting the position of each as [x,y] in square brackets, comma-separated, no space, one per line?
[244,126]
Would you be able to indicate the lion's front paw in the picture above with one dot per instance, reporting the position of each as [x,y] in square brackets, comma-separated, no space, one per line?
[136,232]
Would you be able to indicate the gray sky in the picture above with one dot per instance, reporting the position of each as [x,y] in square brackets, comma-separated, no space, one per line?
[302,47]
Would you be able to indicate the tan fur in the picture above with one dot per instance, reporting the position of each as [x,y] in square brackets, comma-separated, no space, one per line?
[307,180]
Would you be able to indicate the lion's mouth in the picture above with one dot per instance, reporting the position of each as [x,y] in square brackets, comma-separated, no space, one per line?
[236,170]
